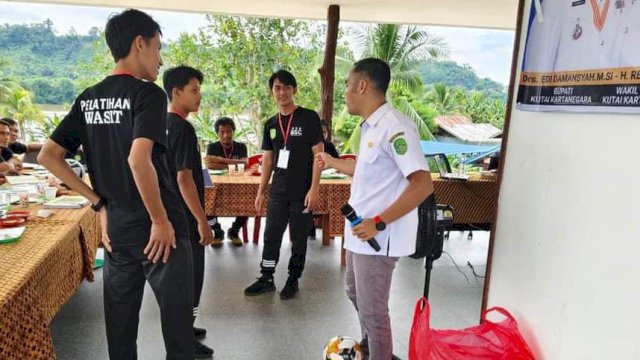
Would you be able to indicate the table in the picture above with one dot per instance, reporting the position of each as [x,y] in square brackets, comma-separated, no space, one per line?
[235,195]
[38,274]
[474,200]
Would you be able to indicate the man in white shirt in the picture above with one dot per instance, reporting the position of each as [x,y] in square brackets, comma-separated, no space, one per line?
[390,180]
[583,35]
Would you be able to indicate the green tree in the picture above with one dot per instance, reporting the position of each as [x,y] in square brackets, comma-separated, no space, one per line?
[404,48]
[445,100]
[483,109]
[464,76]
[19,107]
[237,56]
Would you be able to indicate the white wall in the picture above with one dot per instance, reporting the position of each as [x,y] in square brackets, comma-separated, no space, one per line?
[566,260]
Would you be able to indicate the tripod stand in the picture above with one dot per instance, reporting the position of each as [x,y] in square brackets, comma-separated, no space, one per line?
[433,221]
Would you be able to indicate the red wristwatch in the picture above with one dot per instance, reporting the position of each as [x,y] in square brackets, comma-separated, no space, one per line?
[380,225]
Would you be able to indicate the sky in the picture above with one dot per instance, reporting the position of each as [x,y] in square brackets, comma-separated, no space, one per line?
[487,51]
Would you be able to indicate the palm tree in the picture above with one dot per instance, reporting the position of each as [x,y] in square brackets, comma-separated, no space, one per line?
[403,47]
[445,100]
[19,107]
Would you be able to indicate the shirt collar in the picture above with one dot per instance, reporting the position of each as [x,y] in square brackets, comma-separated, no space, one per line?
[178,112]
[377,115]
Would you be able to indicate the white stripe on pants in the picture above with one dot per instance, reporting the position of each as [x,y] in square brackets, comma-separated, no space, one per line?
[368,283]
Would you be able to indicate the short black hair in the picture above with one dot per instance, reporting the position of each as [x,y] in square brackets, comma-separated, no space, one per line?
[376,70]
[3,122]
[224,121]
[123,28]
[285,77]
[8,122]
[180,76]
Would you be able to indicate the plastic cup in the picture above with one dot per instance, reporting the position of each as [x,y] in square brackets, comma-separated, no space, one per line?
[24,200]
[50,193]
[5,201]
[241,168]
[232,169]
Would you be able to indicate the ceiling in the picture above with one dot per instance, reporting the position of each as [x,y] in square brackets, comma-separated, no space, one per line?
[496,14]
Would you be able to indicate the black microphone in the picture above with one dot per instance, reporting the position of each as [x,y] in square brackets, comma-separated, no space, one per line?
[354,219]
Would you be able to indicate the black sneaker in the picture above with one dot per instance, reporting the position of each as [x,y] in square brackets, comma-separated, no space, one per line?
[263,285]
[201,351]
[199,333]
[290,289]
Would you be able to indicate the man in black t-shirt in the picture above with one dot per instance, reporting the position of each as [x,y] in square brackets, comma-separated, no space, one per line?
[6,156]
[220,155]
[16,146]
[121,124]
[182,85]
[290,141]
[330,149]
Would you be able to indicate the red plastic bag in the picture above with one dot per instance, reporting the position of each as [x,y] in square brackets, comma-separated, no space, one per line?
[487,341]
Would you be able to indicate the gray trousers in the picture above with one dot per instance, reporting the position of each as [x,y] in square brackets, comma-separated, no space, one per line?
[368,285]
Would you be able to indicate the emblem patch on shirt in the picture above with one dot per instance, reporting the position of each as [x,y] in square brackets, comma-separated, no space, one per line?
[578,3]
[395,136]
[272,133]
[400,145]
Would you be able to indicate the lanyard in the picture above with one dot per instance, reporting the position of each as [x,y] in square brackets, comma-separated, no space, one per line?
[227,156]
[122,72]
[179,113]
[285,135]
[599,15]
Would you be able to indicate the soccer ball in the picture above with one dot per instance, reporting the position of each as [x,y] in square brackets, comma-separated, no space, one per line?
[342,348]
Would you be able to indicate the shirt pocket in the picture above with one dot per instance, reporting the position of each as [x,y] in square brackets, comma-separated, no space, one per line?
[371,159]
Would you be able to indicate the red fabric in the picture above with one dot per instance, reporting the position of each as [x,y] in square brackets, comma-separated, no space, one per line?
[348,156]
[252,164]
[487,341]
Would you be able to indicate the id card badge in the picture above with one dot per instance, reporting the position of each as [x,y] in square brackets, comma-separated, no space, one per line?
[283,159]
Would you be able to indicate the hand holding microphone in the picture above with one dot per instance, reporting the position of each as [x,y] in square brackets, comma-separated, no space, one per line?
[354,219]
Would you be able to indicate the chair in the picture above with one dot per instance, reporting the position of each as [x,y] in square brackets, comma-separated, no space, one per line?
[251,161]
[348,156]
[254,159]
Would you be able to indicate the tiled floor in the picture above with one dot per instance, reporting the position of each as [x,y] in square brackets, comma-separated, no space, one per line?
[265,327]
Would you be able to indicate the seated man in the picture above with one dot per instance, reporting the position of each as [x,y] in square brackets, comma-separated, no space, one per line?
[16,146]
[8,163]
[219,155]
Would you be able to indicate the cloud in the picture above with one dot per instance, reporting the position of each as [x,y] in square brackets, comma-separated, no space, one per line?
[84,18]
[487,51]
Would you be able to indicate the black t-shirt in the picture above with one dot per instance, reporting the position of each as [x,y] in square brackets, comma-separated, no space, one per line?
[238,150]
[185,151]
[105,119]
[18,148]
[6,153]
[294,182]
[330,149]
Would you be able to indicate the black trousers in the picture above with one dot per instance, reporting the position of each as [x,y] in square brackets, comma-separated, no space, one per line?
[281,212]
[197,251]
[124,275]
[238,223]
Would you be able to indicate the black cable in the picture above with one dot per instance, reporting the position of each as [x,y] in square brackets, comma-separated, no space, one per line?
[456,265]
[474,270]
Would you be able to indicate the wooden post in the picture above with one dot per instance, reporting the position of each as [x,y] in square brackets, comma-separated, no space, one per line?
[327,71]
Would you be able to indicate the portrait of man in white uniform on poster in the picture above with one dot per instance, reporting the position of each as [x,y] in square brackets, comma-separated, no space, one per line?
[567,35]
